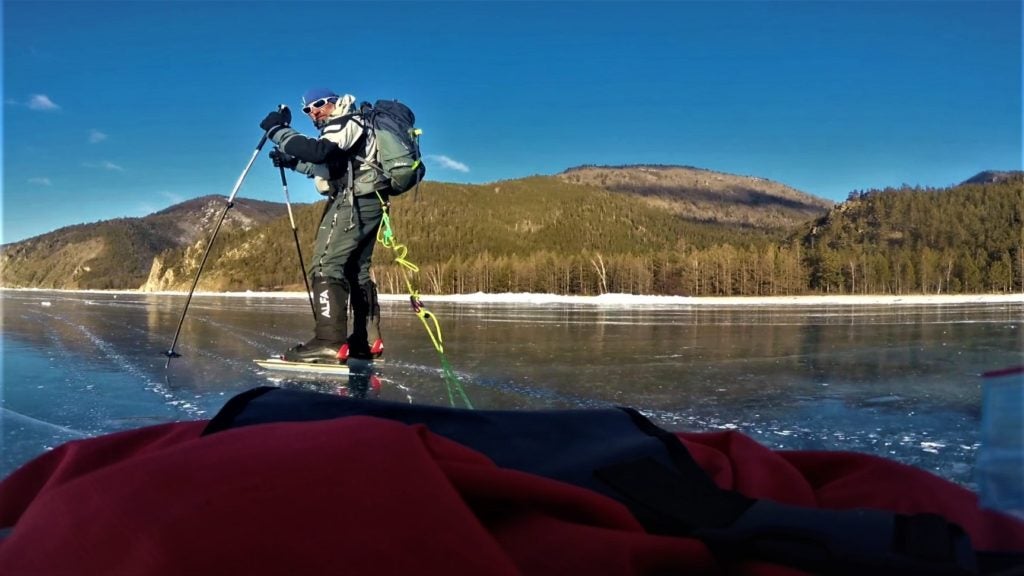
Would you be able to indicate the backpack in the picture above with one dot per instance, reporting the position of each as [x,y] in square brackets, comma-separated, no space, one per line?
[398,151]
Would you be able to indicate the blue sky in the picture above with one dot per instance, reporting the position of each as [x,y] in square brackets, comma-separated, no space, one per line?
[116,109]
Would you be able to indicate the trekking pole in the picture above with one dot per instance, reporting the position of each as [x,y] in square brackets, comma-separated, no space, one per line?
[295,234]
[231,202]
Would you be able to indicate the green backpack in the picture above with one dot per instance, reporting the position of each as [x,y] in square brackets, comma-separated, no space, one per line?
[398,150]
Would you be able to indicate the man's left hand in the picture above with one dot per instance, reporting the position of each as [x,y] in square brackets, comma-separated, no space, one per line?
[282,160]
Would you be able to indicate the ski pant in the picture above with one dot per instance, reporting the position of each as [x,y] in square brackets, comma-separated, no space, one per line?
[346,238]
[342,256]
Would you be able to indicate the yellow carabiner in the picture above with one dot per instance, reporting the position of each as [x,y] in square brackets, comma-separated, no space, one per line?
[435,334]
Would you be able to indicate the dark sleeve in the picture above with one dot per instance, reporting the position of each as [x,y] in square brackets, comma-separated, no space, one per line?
[314,150]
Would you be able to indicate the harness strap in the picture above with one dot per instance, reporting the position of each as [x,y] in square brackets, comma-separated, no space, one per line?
[351,191]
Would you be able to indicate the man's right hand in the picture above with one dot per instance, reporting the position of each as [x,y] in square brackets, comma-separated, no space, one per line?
[282,117]
[282,160]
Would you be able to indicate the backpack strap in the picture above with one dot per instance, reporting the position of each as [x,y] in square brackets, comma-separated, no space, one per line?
[363,117]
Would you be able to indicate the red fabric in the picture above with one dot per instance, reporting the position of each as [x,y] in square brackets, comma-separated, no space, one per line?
[364,495]
[842,480]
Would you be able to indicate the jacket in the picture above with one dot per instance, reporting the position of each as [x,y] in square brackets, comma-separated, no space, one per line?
[343,141]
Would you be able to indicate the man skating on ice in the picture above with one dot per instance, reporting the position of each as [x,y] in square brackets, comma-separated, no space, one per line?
[347,234]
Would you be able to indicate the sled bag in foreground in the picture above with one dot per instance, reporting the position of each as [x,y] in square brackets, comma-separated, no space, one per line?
[621,454]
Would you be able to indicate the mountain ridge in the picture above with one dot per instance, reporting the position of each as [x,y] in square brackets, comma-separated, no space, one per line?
[699,194]
[581,219]
[993,176]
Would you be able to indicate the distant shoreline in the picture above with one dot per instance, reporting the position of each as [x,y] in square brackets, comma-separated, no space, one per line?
[622,299]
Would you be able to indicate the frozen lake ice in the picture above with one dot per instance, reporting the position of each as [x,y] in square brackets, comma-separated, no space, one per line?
[896,381]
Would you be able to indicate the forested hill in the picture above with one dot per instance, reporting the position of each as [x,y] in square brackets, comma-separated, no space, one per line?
[560,235]
[969,238]
[132,252]
[543,234]
[494,229]
[117,254]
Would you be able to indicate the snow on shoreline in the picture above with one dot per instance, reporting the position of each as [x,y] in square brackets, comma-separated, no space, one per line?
[624,299]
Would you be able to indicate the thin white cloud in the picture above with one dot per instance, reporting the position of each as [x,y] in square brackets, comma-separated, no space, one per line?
[95,136]
[40,181]
[105,165]
[447,162]
[174,198]
[42,102]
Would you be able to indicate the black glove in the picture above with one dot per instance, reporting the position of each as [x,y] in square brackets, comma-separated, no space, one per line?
[282,160]
[276,118]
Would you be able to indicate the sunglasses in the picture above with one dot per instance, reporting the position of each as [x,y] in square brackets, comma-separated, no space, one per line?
[316,105]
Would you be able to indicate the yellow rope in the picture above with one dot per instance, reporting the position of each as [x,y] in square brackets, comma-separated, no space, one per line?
[386,236]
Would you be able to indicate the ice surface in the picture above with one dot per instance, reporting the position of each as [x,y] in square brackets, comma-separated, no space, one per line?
[899,380]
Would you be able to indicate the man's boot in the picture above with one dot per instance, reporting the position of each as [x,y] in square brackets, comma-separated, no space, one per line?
[331,297]
[365,342]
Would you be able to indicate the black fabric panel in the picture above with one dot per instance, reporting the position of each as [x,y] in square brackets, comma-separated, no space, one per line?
[566,445]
